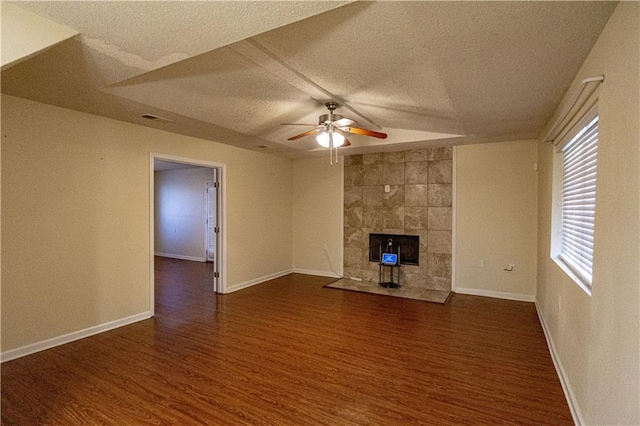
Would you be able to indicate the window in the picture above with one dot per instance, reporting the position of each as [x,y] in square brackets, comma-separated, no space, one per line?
[576,190]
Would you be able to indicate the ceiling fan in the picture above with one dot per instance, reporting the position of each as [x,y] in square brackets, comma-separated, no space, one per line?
[332,128]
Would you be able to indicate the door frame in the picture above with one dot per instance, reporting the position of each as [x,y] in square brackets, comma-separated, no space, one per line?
[221,253]
[206,226]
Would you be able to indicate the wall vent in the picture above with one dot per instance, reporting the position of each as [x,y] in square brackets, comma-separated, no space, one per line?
[156,117]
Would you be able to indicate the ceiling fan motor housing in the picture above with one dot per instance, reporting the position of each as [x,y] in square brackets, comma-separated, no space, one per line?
[327,118]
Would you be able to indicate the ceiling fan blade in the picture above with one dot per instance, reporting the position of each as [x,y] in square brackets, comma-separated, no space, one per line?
[307,133]
[297,124]
[347,142]
[365,132]
[344,122]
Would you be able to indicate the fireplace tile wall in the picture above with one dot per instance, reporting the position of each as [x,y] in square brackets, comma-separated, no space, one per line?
[418,203]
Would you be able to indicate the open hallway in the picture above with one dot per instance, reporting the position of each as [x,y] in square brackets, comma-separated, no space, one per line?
[292,352]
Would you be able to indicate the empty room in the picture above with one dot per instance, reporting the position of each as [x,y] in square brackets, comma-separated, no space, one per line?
[320,212]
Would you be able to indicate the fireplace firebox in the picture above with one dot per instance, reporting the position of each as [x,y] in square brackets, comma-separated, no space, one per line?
[408,247]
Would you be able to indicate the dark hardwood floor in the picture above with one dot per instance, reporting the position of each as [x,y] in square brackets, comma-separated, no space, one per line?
[290,352]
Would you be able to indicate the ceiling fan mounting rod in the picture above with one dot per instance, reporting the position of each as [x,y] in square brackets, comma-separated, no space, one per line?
[325,119]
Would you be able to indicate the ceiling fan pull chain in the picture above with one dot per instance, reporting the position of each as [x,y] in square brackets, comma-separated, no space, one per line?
[330,147]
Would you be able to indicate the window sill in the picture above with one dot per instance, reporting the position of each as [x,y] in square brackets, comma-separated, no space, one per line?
[575,277]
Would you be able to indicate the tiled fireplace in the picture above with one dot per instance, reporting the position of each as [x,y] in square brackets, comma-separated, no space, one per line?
[417,201]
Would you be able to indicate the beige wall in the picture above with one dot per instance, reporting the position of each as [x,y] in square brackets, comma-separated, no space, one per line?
[75,216]
[181,212]
[317,216]
[596,338]
[496,223]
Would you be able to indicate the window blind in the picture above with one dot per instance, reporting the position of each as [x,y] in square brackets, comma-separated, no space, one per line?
[579,161]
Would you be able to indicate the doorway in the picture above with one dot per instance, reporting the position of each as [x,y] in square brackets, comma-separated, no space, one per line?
[180,229]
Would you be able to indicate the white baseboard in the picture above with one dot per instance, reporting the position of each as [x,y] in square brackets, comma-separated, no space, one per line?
[181,257]
[496,294]
[566,387]
[316,273]
[71,337]
[240,286]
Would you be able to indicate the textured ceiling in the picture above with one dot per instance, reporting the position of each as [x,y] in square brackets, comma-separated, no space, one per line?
[426,73]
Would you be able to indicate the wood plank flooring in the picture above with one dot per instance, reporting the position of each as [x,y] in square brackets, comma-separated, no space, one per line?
[290,352]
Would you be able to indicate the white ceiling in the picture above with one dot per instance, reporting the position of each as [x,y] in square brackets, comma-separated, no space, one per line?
[426,73]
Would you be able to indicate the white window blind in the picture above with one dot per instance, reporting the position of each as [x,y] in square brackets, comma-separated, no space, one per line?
[579,163]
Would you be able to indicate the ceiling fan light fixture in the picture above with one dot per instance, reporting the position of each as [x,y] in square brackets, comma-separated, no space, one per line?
[323,139]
